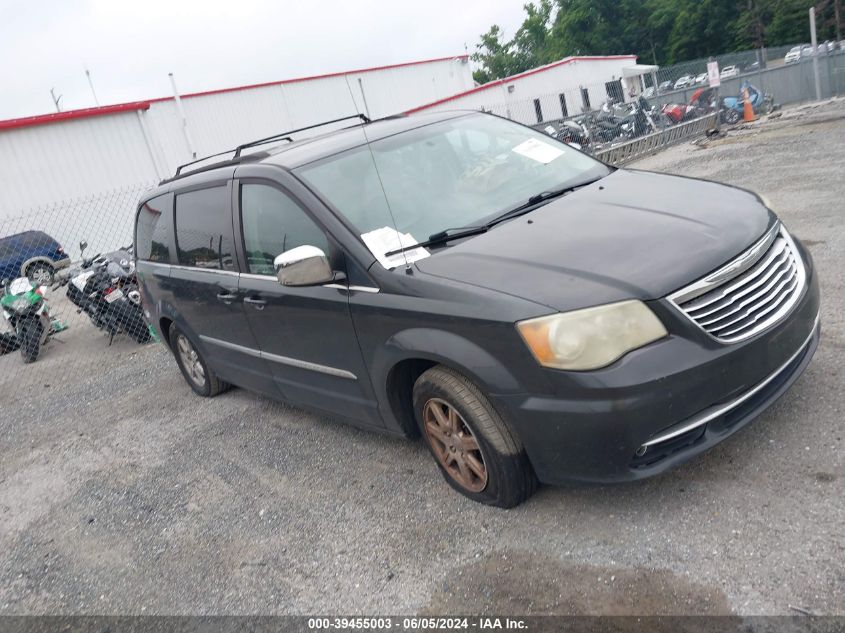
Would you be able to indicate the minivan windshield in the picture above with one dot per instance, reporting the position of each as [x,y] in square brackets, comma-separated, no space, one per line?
[446,175]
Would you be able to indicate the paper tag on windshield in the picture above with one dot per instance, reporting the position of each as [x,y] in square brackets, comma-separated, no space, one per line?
[538,150]
[386,239]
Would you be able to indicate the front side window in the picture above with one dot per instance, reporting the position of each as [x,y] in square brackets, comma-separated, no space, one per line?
[450,174]
[204,229]
[272,224]
[151,232]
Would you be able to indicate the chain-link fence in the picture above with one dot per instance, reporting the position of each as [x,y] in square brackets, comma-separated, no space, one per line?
[787,81]
[68,283]
[744,61]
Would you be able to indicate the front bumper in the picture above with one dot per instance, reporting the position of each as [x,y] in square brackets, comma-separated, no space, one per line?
[663,404]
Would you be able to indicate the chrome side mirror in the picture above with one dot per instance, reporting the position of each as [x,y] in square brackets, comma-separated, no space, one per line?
[303,266]
[82,246]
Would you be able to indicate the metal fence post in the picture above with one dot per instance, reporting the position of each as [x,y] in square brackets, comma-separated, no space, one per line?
[815,44]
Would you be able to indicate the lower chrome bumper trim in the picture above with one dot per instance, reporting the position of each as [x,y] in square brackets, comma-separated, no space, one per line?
[715,411]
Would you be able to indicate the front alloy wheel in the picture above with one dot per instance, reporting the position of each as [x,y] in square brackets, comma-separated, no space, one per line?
[454,445]
[475,448]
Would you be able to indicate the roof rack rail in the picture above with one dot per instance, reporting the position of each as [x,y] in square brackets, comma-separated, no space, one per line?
[284,136]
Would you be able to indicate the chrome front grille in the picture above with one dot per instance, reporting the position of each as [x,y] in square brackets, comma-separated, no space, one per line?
[750,293]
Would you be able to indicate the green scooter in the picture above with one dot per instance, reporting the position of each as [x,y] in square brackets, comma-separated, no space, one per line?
[29,316]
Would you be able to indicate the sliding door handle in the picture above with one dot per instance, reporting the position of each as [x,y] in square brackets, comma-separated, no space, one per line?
[254,301]
[226,296]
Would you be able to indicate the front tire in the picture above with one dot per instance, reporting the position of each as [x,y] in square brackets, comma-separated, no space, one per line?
[475,449]
[194,367]
[30,340]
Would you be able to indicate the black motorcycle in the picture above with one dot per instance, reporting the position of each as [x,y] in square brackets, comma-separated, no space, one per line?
[107,291]
[573,132]
[624,121]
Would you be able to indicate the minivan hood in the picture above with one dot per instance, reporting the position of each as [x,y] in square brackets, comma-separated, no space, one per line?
[630,235]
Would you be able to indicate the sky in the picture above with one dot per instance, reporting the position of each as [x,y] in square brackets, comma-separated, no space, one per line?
[129,47]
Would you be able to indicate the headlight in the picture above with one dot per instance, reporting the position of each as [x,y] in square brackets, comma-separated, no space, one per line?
[591,338]
[20,305]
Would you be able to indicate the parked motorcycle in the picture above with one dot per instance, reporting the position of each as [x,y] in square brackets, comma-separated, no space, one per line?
[573,132]
[28,314]
[702,102]
[625,121]
[107,291]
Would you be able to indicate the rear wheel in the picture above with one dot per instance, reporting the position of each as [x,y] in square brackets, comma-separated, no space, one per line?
[134,325]
[194,367]
[30,341]
[40,273]
[476,451]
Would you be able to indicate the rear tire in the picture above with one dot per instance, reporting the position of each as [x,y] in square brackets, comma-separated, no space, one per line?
[194,367]
[732,116]
[30,340]
[40,273]
[475,449]
[134,325]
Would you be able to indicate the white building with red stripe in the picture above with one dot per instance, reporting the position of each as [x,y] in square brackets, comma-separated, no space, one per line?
[557,90]
[50,160]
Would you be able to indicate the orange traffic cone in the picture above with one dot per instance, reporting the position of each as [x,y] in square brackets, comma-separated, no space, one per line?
[747,109]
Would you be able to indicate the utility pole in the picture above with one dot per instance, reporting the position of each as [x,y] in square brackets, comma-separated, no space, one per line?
[184,118]
[758,31]
[815,44]
[837,16]
[91,85]
[56,99]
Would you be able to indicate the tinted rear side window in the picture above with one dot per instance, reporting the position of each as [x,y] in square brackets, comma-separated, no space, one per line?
[152,241]
[204,229]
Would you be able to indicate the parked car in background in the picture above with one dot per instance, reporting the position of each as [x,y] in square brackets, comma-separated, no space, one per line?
[701,79]
[683,82]
[793,56]
[728,72]
[586,323]
[32,254]
[649,92]
[666,86]
[806,51]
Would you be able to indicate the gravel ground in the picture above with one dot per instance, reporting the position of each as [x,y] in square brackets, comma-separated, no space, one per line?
[121,492]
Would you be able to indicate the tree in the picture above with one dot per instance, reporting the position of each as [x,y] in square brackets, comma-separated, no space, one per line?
[660,31]
[494,57]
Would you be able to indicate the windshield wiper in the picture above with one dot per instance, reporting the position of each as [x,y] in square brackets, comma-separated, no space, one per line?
[443,237]
[468,231]
[533,201]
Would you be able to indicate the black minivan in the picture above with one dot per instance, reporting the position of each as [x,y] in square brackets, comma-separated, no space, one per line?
[534,314]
